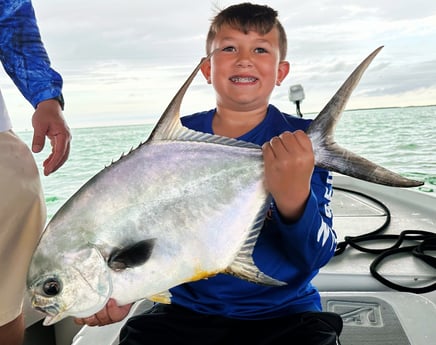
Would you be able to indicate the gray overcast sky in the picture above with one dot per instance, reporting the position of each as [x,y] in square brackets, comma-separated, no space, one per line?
[122,61]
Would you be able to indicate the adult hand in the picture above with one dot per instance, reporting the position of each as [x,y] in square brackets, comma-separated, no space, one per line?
[111,313]
[289,163]
[49,122]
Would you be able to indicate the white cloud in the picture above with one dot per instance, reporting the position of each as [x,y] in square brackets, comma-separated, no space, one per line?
[123,61]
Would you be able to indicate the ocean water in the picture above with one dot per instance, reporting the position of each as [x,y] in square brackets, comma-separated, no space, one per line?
[401,139]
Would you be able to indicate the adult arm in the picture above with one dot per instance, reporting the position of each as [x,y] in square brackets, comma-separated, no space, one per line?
[25,59]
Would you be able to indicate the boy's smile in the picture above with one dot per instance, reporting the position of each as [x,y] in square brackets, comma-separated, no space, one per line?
[243,80]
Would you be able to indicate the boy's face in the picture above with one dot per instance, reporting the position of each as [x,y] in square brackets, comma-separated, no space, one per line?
[245,68]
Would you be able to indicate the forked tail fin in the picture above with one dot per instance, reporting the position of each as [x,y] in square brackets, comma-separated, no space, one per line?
[331,156]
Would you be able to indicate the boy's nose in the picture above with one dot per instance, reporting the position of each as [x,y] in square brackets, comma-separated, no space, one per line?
[244,59]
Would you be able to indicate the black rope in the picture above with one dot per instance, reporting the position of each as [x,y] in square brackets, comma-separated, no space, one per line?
[353,240]
[426,241]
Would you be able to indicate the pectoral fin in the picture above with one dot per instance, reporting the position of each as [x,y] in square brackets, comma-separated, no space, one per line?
[132,255]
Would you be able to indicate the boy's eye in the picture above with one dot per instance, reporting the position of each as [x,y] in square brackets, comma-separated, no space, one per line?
[260,50]
[229,49]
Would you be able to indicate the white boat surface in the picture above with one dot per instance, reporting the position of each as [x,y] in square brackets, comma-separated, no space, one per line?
[373,313]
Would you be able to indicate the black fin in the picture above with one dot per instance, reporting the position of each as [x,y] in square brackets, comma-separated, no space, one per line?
[132,255]
[331,156]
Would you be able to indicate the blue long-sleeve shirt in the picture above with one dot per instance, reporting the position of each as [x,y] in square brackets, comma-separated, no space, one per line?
[292,253]
[23,55]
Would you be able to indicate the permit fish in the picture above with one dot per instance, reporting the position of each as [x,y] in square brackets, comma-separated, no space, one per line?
[182,206]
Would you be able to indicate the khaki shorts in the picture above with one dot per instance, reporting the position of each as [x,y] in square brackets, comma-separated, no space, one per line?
[22,218]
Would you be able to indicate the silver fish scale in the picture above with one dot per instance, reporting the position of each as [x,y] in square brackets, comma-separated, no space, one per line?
[199,189]
[182,188]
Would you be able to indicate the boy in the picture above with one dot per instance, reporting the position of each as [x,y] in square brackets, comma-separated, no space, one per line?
[296,239]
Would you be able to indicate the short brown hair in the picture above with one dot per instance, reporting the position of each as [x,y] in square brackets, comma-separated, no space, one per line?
[245,17]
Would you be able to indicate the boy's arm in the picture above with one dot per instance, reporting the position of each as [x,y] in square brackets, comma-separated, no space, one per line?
[312,238]
[289,163]
[111,313]
[23,55]
[301,198]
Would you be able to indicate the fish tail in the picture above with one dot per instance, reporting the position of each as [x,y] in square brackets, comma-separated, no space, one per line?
[331,156]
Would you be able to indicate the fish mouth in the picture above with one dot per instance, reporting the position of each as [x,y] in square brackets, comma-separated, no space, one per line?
[50,320]
[243,79]
[46,305]
[48,309]
[52,312]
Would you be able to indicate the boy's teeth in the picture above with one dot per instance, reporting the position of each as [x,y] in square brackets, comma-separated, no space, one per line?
[243,79]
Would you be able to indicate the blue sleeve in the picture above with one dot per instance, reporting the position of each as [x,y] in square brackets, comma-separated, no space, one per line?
[311,241]
[23,55]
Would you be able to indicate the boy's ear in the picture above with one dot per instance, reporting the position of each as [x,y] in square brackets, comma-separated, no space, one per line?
[283,71]
[205,69]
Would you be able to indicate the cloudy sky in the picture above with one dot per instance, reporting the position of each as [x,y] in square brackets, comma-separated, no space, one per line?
[122,61]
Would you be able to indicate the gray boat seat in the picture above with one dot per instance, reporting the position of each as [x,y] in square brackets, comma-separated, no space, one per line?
[375,318]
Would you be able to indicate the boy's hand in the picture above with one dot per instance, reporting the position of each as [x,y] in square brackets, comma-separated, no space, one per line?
[111,313]
[289,163]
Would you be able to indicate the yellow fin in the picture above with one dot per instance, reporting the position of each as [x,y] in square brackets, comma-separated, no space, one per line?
[163,297]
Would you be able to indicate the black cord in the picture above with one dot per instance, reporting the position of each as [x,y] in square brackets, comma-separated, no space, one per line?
[353,240]
[427,242]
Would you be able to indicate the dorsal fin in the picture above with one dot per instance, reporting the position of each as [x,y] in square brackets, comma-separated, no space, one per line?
[331,156]
[169,123]
[327,119]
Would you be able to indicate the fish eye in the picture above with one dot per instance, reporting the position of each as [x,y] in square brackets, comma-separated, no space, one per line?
[52,287]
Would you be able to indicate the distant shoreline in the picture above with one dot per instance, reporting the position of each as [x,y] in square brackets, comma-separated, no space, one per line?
[95,125]
[406,106]
[380,108]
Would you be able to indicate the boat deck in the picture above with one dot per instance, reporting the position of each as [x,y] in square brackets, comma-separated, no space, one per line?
[364,212]
[372,312]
